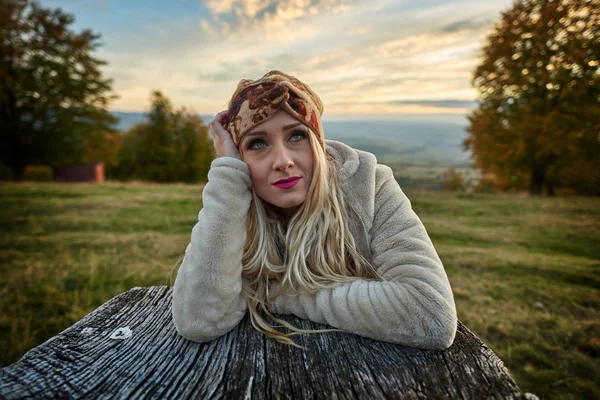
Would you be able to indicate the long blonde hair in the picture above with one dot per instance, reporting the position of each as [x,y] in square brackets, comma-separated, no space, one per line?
[313,250]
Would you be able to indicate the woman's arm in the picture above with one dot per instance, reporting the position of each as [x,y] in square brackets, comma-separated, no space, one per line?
[207,297]
[414,306]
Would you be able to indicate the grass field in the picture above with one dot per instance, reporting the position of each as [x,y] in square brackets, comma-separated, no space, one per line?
[525,271]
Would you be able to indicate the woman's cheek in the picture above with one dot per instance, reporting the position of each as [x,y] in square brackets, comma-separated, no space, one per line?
[257,174]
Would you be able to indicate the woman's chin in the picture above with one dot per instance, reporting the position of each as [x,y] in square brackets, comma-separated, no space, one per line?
[289,206]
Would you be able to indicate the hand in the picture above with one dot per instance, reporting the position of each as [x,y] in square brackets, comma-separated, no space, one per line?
[280,304]
[222,140]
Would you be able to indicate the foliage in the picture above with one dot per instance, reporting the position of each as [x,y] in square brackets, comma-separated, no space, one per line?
[38,173]
[105,148]
[485,184]
[5,173]
[172,146]
[453,180]
[53,98]
[539,112]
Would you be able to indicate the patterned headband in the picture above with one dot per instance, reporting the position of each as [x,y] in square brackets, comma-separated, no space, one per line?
[259,100]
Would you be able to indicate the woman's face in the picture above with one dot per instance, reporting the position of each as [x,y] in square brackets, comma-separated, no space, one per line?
[281,159]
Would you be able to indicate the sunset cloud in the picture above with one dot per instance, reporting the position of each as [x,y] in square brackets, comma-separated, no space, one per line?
[382,56]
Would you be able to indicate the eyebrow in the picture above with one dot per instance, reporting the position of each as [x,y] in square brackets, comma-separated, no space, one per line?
[262,133]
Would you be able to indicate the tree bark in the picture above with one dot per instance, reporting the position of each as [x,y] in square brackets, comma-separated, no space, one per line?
[18,171]
[13,155]
[156,362]
[538,175]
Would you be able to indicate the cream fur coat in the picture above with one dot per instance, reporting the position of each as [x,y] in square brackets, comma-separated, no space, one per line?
[413,306]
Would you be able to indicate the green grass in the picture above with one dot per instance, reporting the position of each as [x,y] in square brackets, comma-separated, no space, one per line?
[525,271]
[66,249]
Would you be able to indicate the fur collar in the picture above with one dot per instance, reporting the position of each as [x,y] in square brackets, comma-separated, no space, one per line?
[357,171]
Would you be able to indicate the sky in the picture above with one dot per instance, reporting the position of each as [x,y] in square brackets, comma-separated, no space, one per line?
[362,57]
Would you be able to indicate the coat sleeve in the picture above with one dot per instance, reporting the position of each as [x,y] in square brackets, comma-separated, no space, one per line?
[412,306]
[207,297]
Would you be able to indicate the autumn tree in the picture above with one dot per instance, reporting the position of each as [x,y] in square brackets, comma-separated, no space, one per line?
[53,97]
[538,118]
[126,166]
[193,149]
[453,180]
[105,148]
[155,150]
[171,146]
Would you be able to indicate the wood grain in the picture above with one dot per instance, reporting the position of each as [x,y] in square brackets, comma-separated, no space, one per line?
[155,362]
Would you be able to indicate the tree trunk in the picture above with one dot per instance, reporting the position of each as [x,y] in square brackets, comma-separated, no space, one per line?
[15,159]
[538,175]
[18,172]
[128,349]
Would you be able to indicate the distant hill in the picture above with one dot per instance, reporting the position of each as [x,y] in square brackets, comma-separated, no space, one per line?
[412,139]
[128,119]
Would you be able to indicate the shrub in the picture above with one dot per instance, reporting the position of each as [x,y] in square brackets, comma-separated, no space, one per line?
[38,173]
[5,173]
[453,180]
[486,184]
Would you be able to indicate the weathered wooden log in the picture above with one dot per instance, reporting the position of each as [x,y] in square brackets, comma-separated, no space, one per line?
[155,362]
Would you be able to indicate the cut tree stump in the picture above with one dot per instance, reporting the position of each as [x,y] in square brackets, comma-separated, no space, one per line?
[155,362]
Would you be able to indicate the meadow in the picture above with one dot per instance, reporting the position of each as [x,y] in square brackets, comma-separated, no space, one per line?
[525,271]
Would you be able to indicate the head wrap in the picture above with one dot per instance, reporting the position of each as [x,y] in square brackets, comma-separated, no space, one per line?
[257,101]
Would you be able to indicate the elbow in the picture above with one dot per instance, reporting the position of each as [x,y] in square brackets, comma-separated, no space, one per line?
[194,335]
[192,327]
[191,331]
[206,328]
[443,321]
[443,340]
[443,331]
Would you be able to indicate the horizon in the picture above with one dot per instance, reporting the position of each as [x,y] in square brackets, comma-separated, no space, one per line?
[415,139]
[452,118]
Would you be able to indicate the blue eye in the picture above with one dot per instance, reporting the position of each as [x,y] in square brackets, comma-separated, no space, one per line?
[259,143]
[298,136]
[256,144]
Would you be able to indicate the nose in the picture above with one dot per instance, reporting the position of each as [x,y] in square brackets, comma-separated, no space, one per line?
[282,158]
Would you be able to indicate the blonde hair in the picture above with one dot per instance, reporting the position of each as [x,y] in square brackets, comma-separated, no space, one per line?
[313,250]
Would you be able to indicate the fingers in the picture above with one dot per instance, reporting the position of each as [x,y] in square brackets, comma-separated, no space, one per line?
[221,117]
[215,128]
[222,139]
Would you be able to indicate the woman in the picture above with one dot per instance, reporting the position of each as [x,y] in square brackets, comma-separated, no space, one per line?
[292,224]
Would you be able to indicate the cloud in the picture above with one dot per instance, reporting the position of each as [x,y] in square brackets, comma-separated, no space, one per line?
[232,17]
[383,56]
[450,103]
[406,68]
[220,6]
[466,25]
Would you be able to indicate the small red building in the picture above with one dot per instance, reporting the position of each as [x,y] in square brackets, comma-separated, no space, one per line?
[80,173]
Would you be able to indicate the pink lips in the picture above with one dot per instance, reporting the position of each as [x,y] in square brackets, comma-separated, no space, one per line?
[287,183]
